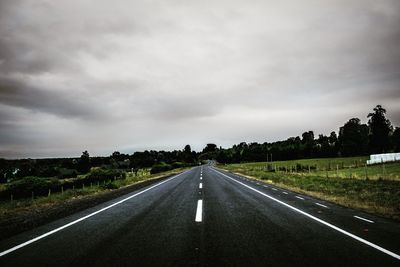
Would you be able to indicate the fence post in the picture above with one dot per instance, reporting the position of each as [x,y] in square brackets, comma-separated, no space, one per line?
[337,171]
[12,198]
[62,190]
[49,193]
[73,187]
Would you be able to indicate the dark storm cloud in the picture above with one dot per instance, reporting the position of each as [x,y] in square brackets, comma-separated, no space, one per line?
[57,103]
[160,74]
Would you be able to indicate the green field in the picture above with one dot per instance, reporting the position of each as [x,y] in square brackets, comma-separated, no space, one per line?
[353,167]
[346,181]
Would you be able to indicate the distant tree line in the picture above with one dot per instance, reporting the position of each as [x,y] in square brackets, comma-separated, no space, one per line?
[353,139]
[71,167]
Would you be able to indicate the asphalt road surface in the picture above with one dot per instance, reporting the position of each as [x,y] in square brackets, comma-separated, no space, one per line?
[208,217]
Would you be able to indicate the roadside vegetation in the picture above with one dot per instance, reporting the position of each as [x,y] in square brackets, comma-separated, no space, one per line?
[345,181]
[85,187]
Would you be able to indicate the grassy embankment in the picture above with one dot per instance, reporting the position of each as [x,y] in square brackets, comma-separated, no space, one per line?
[345,181]
[12,207]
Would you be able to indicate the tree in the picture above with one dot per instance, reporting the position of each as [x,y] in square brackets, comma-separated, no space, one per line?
[323,146]
[333,139]
[210,148]
[209,152]
[333,142]
[353,138]
[116,154]
[187,149]
[308,137]
[309,143]
[188,156]
[380,129]
[84,162]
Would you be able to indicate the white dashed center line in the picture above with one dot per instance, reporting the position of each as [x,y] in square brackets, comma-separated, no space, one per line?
[361,218]
[285,192]
[321,205]
[299,197]
[201,185]
[199,211]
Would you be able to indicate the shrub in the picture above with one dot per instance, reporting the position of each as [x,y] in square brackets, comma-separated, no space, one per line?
[177,165]
[67,173]
[101,174]
[109,185]
[160,168]
[24,187]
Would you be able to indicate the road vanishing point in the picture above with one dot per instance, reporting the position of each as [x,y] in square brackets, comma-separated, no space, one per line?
[209,217]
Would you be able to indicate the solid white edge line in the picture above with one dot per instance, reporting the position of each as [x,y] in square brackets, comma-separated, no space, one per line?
[201,185]
[366,242]
[361,218]
[299,197]
[199,211]
[83,218]
[319,204]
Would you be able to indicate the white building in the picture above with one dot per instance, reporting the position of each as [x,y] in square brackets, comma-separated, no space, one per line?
[381,158]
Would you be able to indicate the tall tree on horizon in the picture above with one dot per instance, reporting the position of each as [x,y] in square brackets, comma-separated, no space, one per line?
[84,162]
[380,130]
[353,138]
[308,142]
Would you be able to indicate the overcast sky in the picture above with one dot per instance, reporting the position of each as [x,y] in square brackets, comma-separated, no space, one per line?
[133,75]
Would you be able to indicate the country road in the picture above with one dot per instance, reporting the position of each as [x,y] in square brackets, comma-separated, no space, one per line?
[209,217]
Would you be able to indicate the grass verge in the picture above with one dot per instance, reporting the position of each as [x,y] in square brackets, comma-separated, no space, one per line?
[378,193]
